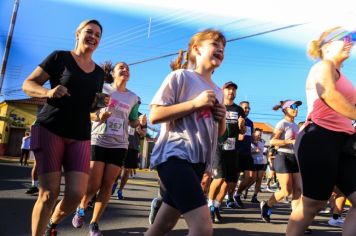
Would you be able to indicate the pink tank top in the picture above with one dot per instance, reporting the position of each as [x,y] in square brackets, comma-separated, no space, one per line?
[326,117]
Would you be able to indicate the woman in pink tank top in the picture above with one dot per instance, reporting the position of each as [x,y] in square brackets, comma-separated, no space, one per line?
[331,108]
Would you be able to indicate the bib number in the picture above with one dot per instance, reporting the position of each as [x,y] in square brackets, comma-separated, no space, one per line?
[114,126]
[229,144]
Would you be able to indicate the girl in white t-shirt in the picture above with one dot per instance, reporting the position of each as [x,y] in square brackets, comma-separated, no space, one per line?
[109,142]
[190,107]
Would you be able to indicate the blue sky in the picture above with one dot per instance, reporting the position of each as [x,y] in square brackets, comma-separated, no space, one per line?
[267,68]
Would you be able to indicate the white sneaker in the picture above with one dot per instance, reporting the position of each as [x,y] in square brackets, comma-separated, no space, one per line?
[337,223]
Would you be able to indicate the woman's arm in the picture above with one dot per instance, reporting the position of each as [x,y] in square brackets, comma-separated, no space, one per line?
[326,89]
[276,141]
[33,86]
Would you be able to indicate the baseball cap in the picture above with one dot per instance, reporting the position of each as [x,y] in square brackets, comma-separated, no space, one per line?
[230,83]
[291,102]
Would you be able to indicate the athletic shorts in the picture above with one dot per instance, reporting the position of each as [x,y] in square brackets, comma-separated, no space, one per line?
[52,152]
[225,165]
[181,180]
[285,163]
[246,162]
[322,163]
[260,167]
[131,160]
[113,156]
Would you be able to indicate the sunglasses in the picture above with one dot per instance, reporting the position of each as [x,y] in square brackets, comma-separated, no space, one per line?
[293,106]
[350,38]
[341,35]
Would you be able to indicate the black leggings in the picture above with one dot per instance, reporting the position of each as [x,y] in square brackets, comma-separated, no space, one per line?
[322,164]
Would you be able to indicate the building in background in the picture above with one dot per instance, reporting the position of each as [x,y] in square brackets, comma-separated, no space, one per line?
[16,117]
[267,130]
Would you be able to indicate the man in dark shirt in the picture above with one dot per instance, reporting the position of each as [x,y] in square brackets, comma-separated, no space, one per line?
[225,163]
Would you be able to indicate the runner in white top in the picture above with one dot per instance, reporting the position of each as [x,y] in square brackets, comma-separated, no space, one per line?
[189,106]
[109,143]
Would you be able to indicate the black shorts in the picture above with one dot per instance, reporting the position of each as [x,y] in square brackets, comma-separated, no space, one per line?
[285,163]
[246,162]
[181,180]
[322,163]
[260,167]
[131,159]
[113,156]
[25,152]
[225,165]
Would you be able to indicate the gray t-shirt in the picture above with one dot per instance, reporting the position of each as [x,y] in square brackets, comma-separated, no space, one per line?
[114,132]
[194,136]
[289,131]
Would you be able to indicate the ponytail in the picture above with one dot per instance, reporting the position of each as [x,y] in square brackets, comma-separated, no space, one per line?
[108,68]
[279,106]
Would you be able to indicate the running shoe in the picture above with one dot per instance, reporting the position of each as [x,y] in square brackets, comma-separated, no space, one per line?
[254,199]
[94,230]
[266,212]
[78,219]
[326,210]
[271,190]
[238,201]
[32,190]
[155,205]
[217,216]
[245,194]
[339,222]
[113,188]
[230,203]
[50,232]
[119,195]
[212,213]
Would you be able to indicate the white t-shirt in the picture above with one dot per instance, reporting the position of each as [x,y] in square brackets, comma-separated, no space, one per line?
[114,132]
[289,131]
[258,157]
[194,136]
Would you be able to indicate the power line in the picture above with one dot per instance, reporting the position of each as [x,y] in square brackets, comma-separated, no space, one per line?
[230,40]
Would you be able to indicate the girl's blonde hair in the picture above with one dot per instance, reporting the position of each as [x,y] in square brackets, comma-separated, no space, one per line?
[314,47]
[189,59]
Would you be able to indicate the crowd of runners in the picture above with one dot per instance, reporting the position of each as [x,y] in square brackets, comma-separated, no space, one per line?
[208,153]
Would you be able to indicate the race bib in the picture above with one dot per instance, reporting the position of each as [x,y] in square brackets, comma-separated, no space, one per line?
[114,126]
[229,144]
[131,131]
[232,115]
[248,131]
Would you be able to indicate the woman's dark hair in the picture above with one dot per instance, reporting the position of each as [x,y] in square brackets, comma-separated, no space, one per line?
[107,67]
[279,106]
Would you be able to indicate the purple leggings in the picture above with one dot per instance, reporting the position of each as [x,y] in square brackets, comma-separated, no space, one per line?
[52,152]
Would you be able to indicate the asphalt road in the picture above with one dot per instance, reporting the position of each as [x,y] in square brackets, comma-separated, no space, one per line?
[130,216]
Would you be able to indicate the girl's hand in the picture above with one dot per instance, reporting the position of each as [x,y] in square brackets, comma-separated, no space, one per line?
[206,98]
[104,115]
[219,111]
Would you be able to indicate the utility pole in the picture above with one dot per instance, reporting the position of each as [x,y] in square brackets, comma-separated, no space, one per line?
[8,43]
